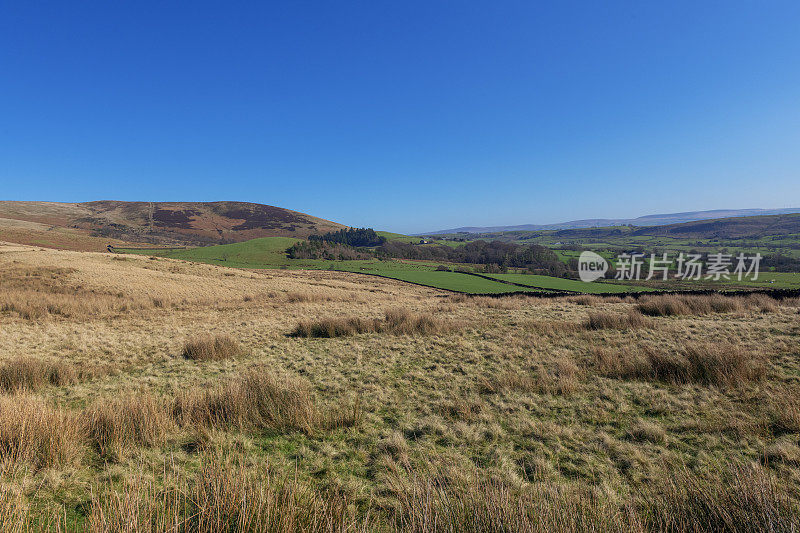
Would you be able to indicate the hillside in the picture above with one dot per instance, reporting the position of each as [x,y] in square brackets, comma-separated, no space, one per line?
[751,227]
[184,223]
[647,220]
[729,228]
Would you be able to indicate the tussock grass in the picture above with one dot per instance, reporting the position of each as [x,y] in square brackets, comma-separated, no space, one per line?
[14,517]
[645,430]
[553,328]
[708,364]
[743,498]
[256,400]
[30,373]
[432,506]
[345,416]
[115,427]
[507,303]
[36,435]
[676,305]
[608,320]
[34,305]
[401,321]
[783,412]
[305,297]
[396,321]
[210,348]
[558,377]
[336,327]
[585,299]
[224,495]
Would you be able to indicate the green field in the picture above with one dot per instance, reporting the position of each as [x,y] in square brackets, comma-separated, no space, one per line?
[267,252]
[549,282]
[270,252]
[767,280]
[453,281]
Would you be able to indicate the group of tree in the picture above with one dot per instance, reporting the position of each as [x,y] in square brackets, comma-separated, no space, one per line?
[329,251]
[502,255]
[356,237]
[365,243]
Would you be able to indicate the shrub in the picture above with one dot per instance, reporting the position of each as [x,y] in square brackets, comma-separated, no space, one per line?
[211,348]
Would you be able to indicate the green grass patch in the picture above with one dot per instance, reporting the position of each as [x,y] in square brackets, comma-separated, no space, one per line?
[549,282]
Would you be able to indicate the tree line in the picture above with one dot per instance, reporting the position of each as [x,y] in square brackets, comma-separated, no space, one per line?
[364,243]
[356,237]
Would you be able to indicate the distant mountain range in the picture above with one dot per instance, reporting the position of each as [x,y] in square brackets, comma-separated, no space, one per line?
[648,220]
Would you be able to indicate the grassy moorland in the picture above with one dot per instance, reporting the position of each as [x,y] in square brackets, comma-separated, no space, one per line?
[149,394]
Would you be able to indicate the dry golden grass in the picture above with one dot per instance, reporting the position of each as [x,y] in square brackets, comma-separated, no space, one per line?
[30,373]
[116,427]
[209,348]
[452,413]
[36,435]
[396,321]
[256,400]
[721,364]
[607,320]
[742,498]
[675,305]
[224,495]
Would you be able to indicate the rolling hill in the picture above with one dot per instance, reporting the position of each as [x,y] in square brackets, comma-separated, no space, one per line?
[175,223]
[647,220]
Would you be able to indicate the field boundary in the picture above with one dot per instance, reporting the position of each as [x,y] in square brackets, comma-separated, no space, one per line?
[564,291]
[778,294]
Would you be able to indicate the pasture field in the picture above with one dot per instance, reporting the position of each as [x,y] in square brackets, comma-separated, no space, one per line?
[453,281]
[269,253]
[140,393]
[549,282]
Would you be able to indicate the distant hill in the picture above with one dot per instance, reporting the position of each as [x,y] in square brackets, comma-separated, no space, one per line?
[648,220]
[185,223]
[721,228]
[728,228]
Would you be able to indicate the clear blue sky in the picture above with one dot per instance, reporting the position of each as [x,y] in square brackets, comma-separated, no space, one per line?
[409,116]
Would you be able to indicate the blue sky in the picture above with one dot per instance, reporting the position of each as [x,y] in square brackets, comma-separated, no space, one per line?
[409,116]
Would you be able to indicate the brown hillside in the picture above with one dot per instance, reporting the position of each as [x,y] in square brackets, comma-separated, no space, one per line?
[185,223]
